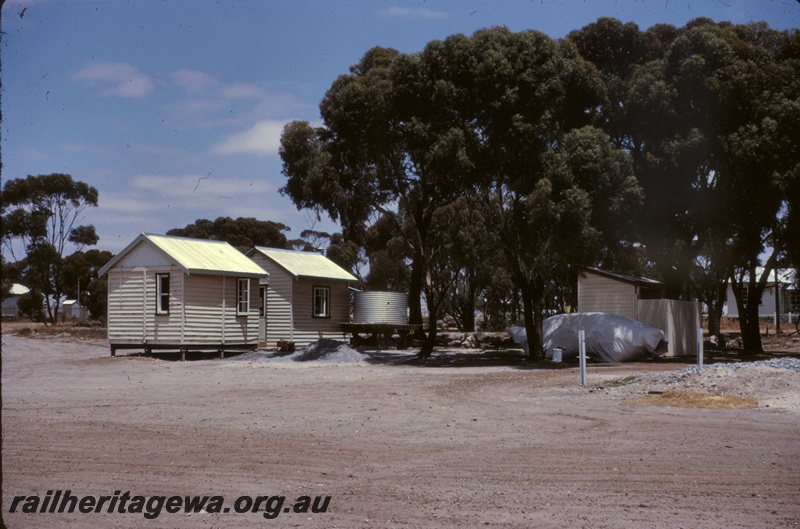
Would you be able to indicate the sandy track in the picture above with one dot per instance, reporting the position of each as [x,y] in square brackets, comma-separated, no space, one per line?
[394,445]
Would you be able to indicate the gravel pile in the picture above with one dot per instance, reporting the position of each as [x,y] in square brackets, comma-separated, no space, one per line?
[324,350]
[774,383]
[776,363]
[327,350]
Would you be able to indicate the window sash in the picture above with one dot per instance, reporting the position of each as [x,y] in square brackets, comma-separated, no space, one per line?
[162,293]
[322,302]
[243,296]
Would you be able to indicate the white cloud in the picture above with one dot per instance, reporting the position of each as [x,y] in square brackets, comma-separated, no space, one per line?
[193,81]
[208,102]
[84,147]
[243,91]
[263,138]
[412,12]
[154,203]
[116,78]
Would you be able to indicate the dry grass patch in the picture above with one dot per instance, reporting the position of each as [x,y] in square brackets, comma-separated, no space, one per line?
[691,399]
[87,330]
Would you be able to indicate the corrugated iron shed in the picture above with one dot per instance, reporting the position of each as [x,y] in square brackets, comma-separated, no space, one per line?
[195,256]
[306,265]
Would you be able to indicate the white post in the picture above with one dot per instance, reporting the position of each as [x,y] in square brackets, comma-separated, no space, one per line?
[582,355]
[700,347]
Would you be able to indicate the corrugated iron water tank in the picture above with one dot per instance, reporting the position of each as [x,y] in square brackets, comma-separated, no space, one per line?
[380,307]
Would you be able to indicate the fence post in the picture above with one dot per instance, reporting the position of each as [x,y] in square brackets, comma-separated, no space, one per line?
[582,355]
[700,347]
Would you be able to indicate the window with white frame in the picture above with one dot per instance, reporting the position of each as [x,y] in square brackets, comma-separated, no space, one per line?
[322,302]
[162,293]
[243,296]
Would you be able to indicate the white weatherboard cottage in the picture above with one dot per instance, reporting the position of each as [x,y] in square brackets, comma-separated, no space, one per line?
[176,293]
[305,298]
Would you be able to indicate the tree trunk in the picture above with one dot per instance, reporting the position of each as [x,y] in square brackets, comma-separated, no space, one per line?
[415,294]
[751,331]
[748,316]
[533,320]
[430,340]
[468,316]
[714,317]
[715,305]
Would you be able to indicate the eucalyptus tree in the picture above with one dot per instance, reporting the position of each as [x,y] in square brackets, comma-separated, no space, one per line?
[546,176]
[499,114]
[40,215]
[708,113]
[759,103]
[733,100]
[383,150]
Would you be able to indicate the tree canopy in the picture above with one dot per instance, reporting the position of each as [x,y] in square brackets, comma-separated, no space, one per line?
[243,232]
[40,215]
[499,116]
[672,150]
[709,115]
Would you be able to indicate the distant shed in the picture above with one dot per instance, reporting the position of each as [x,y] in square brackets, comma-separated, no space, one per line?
[305,298]
[10,309]
[641,299]
[182,294]
[602,291]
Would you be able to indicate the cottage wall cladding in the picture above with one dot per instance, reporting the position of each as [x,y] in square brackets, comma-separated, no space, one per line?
[290,296]
[203,310]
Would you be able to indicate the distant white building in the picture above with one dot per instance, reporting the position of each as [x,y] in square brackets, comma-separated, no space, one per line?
[10,309]
[785,284]
[70,308]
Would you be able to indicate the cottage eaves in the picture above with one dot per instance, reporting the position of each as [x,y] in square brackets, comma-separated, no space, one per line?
[196,256]
[309,265]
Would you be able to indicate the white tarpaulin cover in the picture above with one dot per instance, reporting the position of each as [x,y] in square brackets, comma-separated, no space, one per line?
[609,337]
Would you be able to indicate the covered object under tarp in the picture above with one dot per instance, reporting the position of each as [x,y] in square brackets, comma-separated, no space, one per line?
[609,337]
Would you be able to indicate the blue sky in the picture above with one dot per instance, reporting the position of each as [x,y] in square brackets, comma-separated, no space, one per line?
[173,109]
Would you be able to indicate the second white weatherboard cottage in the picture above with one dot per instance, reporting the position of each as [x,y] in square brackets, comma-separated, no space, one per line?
[182,294]
[306,297]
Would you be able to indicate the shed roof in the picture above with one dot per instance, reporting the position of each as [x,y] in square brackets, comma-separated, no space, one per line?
[633,280]
[18,290]
[311,265]
[196,256]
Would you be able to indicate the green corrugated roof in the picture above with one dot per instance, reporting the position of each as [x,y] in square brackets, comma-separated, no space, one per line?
[197,256]
[305,264]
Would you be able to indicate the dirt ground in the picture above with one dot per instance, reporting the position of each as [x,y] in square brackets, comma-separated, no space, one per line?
[467,439]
